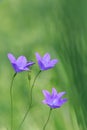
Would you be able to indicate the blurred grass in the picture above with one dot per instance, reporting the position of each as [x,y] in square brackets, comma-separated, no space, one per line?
[60,28]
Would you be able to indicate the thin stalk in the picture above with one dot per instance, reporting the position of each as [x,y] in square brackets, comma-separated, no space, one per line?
[11,97]
[29,79]
[31,91]
[47,119]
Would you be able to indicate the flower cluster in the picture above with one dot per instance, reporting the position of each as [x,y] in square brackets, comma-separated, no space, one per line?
[21,64]
[54,99]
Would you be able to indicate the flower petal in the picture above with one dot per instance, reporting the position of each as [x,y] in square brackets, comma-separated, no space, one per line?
[46,94]
[21,61]
[41,65]
[16,68]
[62,101]
[46,57]
[11,58]
[53,62]
[19,69]
[29,64]
[61,94]
[54,92]
[38,57]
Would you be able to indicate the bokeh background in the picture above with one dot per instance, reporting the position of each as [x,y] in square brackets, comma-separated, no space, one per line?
[58,27]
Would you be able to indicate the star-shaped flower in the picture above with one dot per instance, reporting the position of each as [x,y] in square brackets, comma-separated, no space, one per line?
[20,64]
[45,62]
[55,99]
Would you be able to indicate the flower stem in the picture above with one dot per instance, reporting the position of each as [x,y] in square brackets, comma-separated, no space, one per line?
[29,80]
[47,119]
[11,97]
[31,91]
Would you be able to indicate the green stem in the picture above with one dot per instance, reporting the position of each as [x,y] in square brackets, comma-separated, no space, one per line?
[31,91]
[47,119]
[11,97]
[29,79]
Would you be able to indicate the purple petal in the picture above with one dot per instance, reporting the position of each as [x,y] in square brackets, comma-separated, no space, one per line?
[46,57]
[41,65]
[53,106]
[54,92]
[38,57]
[53,62]
[16,68]
[19,69]
[11,58]
[46,94]
[62,101]
[61,94]
[24,69]
[49,67]
[21,61]
[29,64]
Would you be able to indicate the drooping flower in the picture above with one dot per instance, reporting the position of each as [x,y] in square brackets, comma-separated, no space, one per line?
[45,62]
[20,64]
[55,99]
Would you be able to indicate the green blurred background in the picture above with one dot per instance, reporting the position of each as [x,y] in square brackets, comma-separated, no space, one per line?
[60,28]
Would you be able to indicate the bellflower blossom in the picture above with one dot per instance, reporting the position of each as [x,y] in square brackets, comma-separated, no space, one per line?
[20,64]
[55,99]
[45,62]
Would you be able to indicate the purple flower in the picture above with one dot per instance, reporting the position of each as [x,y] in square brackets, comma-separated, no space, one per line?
[44,62]
[55,99]
[20,64]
